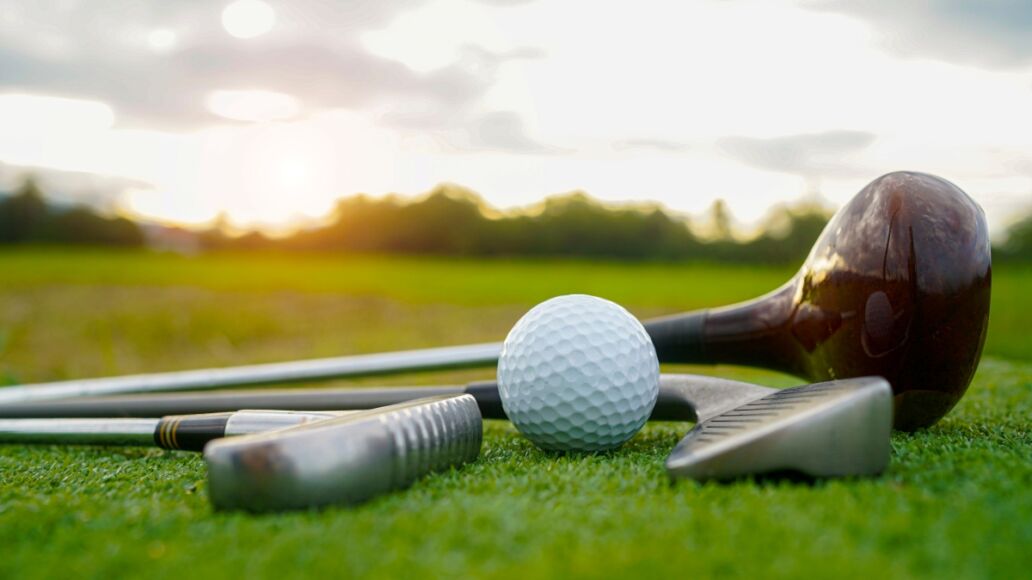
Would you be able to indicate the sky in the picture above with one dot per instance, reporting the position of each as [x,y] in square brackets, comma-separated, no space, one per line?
[268,111]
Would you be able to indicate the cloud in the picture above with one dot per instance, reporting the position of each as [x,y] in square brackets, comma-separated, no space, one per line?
[1022,165]
[172,93]
[505,3]
[662,145]
[811,155]
[454,116]
[504,131]
[98,51]
[984,33]
[496,58]
[105,192]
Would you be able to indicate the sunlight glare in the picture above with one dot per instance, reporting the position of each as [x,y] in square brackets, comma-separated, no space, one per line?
[253,105]
[248,18]
[293,173]
[162,40]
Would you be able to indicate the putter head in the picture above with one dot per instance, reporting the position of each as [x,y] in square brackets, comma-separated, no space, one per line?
[343,460]
[837,428]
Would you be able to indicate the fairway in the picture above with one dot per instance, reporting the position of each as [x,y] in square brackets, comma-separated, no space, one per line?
[954,503]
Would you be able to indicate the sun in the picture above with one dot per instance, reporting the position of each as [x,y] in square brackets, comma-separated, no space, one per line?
[248,18]
[292,173]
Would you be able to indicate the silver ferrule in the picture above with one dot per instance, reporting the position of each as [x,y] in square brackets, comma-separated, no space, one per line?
[79,431]
[250,421]
[343,460]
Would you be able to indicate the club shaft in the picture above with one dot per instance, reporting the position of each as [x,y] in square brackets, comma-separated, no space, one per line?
[680,398]
[677,339]
[185,432]
[162,404]
[476,355]
[130,432]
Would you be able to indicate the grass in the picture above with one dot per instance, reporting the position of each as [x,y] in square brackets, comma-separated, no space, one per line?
[955,502]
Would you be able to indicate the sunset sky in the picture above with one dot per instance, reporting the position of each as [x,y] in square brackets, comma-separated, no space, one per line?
[270,110]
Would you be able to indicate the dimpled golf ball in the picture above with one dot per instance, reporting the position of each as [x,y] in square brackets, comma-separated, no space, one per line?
[578,373]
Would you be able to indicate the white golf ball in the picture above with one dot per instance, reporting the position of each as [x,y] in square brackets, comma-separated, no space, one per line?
[578,373]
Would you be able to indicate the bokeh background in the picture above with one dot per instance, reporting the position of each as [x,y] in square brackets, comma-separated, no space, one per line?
[196,183]
[262,115]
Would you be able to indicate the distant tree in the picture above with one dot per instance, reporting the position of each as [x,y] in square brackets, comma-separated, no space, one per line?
[216,236]
[804,225]
[720,221]
[788,235]
[1018,245]
[23,215]
[452,220]
[449,220]
[79,225]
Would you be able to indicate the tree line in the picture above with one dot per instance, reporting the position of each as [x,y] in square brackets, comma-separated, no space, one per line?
[26,218]
[1018,246]
[454,221]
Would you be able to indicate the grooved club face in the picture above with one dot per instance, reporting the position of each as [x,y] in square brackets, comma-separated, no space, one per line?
[837,428]
[343,460]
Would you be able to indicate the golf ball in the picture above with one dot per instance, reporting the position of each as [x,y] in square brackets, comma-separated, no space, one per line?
[578,373]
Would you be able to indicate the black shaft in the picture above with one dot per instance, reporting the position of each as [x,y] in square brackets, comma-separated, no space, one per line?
[188,403]
[670,406]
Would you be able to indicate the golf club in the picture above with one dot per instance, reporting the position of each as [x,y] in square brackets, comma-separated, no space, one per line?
[897,285]
[795,423]
[182,432]
[832,429]
[343,460]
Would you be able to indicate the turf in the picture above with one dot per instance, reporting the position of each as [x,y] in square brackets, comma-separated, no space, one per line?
[955,503]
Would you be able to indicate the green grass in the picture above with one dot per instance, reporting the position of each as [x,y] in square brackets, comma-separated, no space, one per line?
[645,288]
[955,503]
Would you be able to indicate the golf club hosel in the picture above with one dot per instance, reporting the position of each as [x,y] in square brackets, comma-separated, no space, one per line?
[751,333]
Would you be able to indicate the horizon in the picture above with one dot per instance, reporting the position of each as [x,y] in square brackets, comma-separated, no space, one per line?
[269,112]
[700,224]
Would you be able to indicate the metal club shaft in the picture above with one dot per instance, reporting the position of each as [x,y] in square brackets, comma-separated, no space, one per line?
[273,373]
[184,432]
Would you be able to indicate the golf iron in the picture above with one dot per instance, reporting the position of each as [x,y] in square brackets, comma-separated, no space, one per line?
[343,460]
[832,429]
[280,460]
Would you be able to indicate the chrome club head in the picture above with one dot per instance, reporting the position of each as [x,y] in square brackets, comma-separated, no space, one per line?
[343,460]
[836,428]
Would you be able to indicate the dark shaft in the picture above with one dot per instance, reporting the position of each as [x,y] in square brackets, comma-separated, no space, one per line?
[671,404]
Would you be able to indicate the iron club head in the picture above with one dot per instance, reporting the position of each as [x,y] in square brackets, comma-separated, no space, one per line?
[343,460]
[831,429]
